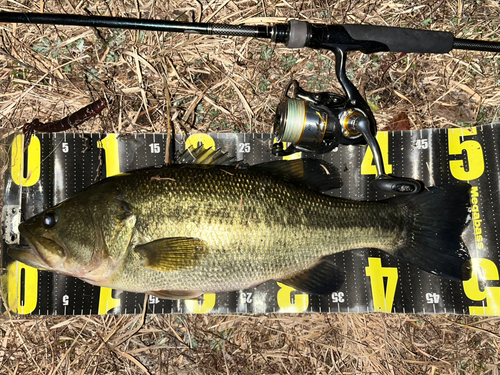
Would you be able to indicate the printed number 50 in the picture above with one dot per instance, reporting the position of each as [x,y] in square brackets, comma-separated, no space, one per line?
[475,158]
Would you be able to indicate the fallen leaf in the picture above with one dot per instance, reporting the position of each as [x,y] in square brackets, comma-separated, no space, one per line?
[398,123]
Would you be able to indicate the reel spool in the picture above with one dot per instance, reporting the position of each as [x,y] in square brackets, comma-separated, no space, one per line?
[307,125]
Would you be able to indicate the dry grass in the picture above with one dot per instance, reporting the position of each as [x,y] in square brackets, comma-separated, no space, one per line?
[204,84]
[241,344]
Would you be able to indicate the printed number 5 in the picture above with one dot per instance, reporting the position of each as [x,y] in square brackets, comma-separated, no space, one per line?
[484,270]
[474,157]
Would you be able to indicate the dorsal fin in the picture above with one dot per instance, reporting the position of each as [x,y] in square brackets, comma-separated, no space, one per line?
[316,174]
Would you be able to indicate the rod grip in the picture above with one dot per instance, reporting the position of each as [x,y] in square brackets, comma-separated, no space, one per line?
[402,39]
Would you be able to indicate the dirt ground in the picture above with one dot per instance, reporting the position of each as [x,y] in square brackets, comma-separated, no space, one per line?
[153,81]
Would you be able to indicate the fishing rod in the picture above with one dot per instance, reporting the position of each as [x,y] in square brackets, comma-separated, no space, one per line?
[312,122]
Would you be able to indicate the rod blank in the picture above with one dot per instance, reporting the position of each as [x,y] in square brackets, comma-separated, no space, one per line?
[136,24]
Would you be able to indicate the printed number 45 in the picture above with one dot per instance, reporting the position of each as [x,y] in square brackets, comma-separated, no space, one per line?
[422,144]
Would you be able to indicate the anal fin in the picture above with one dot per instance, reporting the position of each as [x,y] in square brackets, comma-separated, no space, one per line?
[324,278]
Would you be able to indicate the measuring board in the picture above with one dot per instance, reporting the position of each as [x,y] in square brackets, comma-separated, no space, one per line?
[57,166]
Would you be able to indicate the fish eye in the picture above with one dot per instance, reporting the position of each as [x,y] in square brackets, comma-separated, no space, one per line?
[50,219]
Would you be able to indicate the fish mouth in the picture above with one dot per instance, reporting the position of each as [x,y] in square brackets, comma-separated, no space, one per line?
[27,255]
[38,246]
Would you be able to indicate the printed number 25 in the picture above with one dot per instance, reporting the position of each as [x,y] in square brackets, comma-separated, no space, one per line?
[475,158]
[244,148]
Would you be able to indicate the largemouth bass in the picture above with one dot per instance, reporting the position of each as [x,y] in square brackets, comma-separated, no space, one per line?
[184,230]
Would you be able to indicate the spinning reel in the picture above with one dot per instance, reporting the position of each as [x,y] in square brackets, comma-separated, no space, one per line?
[319,122]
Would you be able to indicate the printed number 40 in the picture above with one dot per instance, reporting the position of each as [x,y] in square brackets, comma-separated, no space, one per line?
[384,281]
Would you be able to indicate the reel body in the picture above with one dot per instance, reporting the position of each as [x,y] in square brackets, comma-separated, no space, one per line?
[317,122]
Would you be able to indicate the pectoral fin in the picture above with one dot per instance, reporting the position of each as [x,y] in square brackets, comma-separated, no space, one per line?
[324,278]
[176,294]
[173,253]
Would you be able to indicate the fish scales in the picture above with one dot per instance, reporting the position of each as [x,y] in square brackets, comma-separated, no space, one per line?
[257,227]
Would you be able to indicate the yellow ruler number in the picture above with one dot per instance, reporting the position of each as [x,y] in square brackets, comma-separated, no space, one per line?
[16,272]
[111,155]
[367,166]
[296,155]
[285,302]
[206,141]
[112,159]
[23,279]
[17,161]
[284,296]
[106,301]
[489,295]
[203,306]
[474,153]
[383,298]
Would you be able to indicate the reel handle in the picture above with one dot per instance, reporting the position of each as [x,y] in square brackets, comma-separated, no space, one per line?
[384,182]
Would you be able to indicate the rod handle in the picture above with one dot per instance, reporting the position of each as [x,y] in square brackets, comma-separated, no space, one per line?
[402,39]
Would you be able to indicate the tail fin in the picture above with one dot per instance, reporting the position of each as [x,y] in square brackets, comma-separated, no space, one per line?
[436,220]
